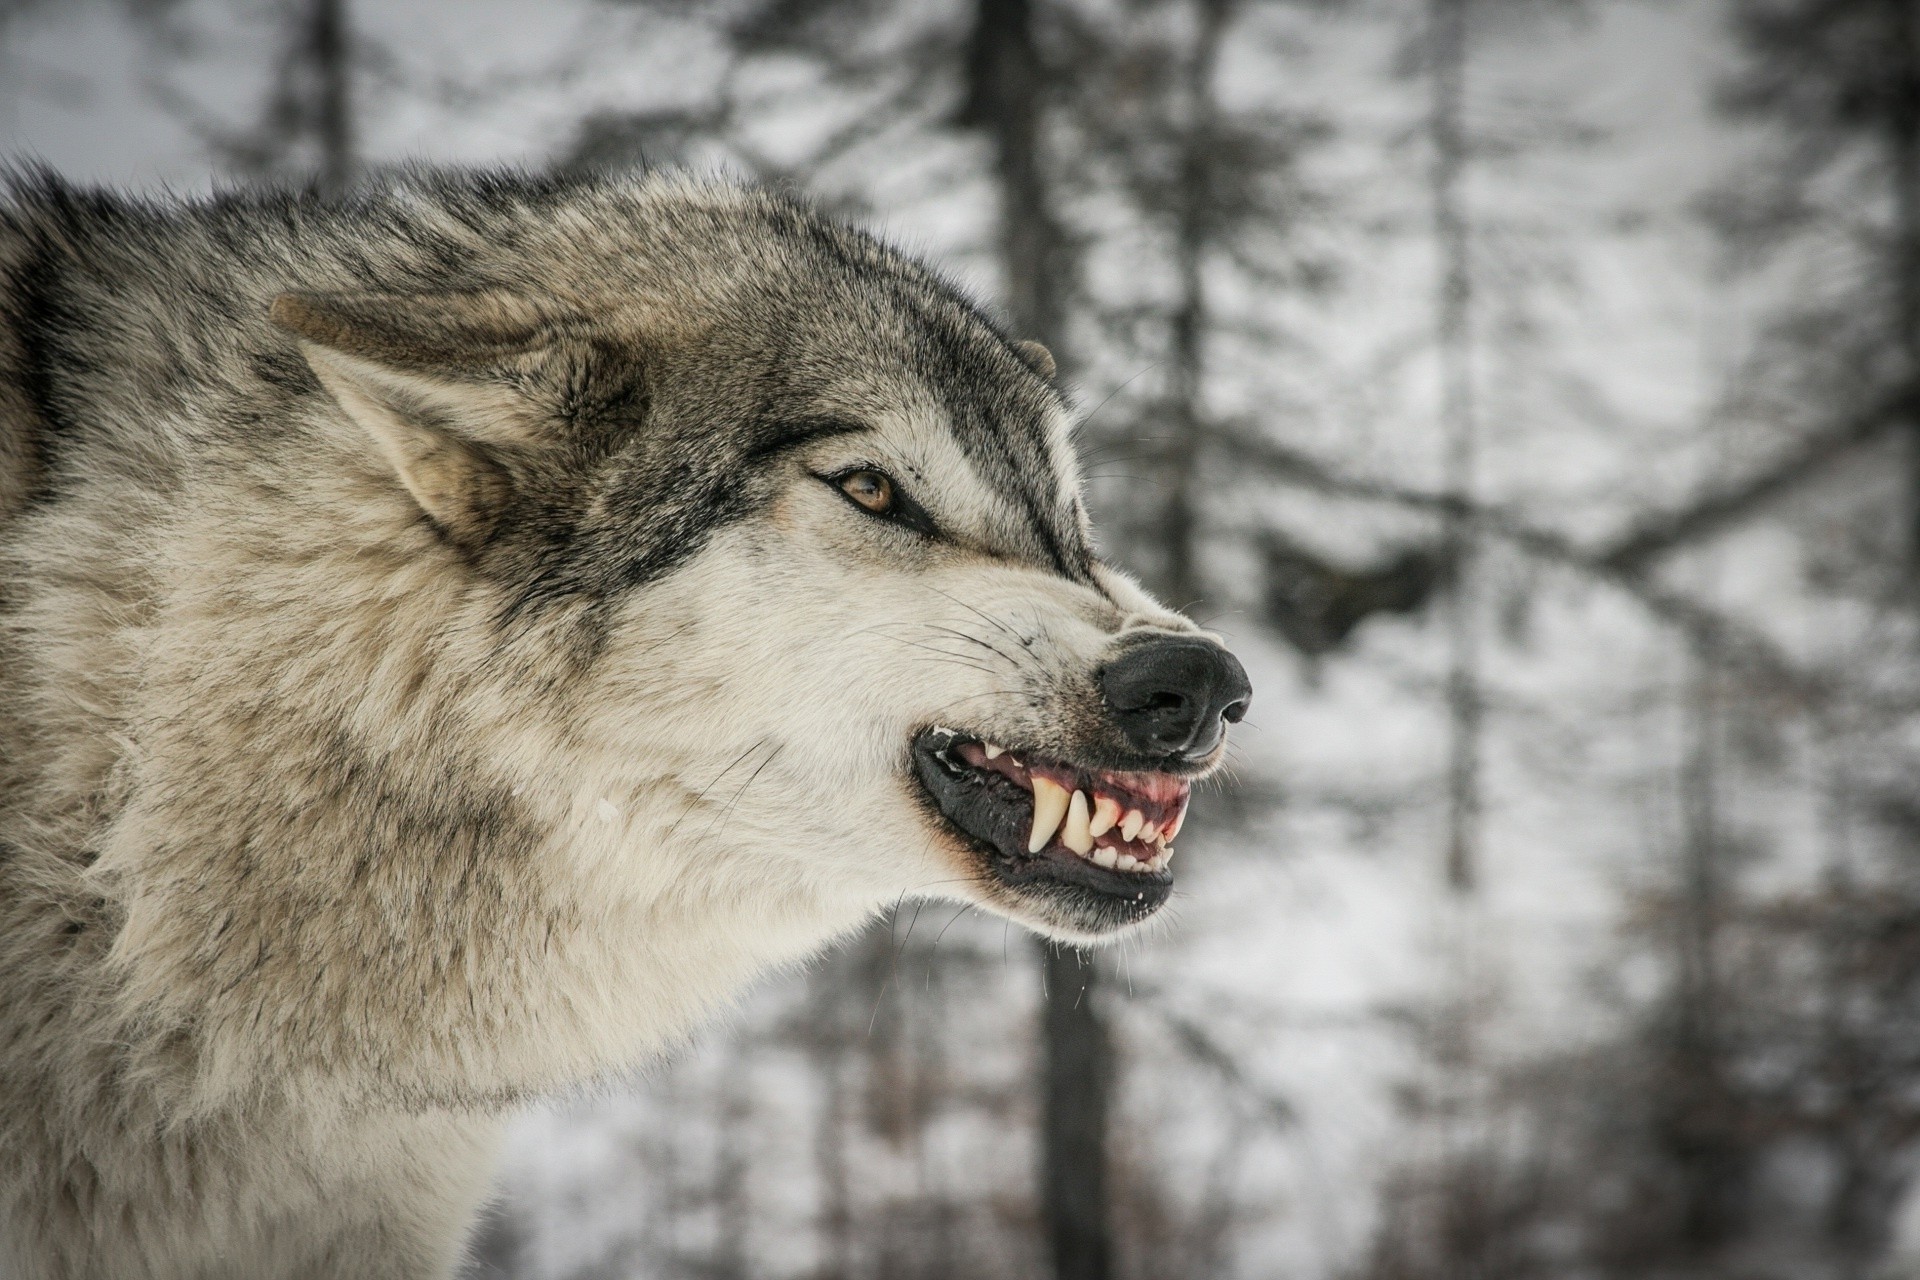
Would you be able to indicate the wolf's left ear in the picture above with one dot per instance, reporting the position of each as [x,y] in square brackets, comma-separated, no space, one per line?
[427,376]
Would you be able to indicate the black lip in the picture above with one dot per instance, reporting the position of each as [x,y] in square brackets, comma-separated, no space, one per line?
[995,814]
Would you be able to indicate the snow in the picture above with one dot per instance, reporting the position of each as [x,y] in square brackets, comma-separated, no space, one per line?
[1314,938]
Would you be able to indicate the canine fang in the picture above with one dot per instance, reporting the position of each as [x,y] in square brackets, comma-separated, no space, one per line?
[1049,807]
[1075,834]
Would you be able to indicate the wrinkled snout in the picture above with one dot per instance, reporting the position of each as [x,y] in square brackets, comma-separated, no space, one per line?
[1173,696]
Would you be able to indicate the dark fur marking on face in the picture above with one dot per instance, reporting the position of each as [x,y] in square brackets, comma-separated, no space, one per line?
[962,354]
[1008,445]
[795,435]
[1007,442]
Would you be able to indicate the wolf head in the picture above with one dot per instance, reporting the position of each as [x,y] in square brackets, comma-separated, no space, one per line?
[790,539]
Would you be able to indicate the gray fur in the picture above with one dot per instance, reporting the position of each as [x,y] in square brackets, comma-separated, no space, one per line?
[446,683]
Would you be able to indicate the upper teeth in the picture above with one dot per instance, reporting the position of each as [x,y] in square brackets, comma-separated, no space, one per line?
[1078,821]
[1075,835]
[1049,807]
[1079,818]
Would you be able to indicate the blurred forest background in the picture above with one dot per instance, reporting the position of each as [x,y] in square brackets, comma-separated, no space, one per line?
[1530,389]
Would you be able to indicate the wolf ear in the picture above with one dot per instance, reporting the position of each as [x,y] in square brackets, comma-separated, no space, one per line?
[1038,358]
[423,376]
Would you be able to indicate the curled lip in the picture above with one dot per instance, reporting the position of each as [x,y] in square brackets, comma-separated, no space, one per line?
[988,795]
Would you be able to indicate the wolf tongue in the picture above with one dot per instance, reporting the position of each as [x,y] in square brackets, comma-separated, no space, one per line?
[1050,801]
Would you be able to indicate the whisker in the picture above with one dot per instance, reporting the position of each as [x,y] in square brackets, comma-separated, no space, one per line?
[976,640]
[1088,420]
[964,908]
[702,795]
[934,884]
[989,619]
[880,996]
[761,768]
[943,654]
[907,937]
[973,697]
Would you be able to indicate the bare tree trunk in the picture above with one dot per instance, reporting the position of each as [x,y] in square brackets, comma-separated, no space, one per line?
[1463,1192]
[306,128]
[833,994]
[1179,522]
[1700,882]
[1869,1179]
[729,1260]
[1005,88]
[1903,124]
[1454,329]
[1700,1129]
[331,119]
[1079,1075]
[1866,1138]
[1005,98]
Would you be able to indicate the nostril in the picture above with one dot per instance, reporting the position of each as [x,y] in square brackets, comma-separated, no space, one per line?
[1170,695]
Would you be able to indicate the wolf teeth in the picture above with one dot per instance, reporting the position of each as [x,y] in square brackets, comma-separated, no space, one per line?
[1075,834]
[1079,817]
[1049,807]
[992,752]
[1106,812]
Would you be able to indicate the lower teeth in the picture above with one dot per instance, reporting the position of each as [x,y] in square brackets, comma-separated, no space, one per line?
[1113,860]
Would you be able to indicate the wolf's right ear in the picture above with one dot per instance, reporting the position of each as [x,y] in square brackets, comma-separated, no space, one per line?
[1038,358]
[426,376]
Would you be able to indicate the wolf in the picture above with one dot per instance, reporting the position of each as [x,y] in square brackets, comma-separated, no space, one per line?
[455,635]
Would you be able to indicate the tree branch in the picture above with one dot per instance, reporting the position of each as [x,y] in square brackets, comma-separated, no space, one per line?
[1714,631]
[1655,537]
[1211,1054]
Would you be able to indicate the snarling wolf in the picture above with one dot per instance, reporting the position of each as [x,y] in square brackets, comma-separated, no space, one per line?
[453,637]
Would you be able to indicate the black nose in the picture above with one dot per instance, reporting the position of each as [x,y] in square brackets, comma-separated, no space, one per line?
[1175,695]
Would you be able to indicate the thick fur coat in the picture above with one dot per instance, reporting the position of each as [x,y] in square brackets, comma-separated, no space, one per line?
[441,656]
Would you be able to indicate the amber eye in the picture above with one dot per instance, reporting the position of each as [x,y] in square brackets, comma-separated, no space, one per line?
[870,489]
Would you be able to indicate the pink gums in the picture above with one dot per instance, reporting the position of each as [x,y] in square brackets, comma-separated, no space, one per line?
[1160,798]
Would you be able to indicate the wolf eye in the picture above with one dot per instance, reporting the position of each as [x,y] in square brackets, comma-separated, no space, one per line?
[871,489]
[878,494]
